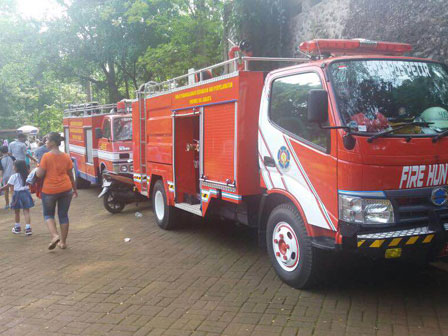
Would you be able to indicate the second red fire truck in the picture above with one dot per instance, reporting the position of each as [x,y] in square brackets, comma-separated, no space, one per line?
[99,139]
[345,150]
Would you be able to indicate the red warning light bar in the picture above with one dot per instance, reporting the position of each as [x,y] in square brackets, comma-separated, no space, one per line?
[121,105]
[353,47]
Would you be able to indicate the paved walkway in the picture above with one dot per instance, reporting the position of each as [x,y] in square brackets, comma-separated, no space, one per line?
[206,279]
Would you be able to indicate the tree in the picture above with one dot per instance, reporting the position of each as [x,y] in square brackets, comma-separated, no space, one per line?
[96,43]
[262,22]
[30,93]
[189,34]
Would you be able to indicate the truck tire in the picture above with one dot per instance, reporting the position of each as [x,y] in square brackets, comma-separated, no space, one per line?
[289,247]
[112,205]
[166,216]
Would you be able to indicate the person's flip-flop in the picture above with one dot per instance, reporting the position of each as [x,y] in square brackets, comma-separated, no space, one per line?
[53,244]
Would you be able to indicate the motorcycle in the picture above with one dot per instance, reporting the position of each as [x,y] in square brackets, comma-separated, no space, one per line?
[118,191]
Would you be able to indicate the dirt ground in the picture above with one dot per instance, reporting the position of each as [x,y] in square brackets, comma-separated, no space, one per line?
[204,279]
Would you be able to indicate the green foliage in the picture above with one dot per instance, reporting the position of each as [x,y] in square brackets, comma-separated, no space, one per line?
[30,93]
[190,36]
[110,47]
[262,22]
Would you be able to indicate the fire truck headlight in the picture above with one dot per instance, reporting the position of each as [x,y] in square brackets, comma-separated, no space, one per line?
[123,169]
[378,211]
[365,210]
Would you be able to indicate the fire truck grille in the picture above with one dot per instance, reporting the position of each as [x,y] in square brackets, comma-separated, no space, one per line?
[414,208]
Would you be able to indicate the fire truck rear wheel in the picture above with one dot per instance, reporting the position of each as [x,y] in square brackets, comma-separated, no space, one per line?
[165,215]
[289,247]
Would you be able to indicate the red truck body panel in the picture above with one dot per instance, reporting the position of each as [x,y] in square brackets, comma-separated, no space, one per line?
[230,114]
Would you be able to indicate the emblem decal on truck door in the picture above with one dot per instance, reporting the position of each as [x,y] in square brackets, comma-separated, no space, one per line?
[284,158]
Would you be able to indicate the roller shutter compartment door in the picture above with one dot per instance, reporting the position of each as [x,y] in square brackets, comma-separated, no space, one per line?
[219,143]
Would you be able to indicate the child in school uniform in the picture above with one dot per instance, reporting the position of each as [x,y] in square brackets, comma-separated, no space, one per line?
[21,199]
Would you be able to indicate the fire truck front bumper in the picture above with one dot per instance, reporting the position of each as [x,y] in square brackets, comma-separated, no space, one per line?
[402,243]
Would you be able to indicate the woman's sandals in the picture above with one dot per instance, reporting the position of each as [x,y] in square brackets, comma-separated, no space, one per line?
[53,244]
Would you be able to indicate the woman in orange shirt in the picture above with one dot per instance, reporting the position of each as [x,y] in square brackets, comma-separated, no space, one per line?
[58,189]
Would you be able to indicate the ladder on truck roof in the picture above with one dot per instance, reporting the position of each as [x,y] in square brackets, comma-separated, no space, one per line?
[89,109]
[226,69]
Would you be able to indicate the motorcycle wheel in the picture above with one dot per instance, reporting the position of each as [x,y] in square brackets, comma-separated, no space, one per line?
[111,204]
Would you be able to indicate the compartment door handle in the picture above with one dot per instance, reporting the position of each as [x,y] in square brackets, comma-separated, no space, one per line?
[269,162]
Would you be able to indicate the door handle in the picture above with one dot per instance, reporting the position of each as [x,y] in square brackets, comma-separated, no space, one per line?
[269,162]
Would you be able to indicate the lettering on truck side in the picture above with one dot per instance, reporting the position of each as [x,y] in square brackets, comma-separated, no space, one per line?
[423,176]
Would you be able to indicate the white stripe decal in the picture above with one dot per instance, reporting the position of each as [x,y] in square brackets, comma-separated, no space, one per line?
[231,196]
[77,149]
[81,150]
[104,155]
[110,156]
[305,176]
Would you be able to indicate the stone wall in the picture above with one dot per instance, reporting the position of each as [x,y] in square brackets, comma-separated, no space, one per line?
[423,23]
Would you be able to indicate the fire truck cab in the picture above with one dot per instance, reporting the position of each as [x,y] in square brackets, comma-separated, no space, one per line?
[345,151]
[98,139]
[115,140]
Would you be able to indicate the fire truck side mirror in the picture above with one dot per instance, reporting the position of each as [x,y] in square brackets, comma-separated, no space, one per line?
[98,133]
[318,106]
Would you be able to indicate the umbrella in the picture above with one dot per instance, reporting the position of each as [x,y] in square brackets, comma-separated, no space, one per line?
[27,129]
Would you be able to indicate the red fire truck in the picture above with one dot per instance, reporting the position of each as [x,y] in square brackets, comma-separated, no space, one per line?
[99,139]
[343,151]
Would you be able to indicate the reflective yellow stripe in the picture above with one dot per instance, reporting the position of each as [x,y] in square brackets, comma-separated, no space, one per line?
[360,243]
[395,242]
[377,243]
[412,240]
[428,239]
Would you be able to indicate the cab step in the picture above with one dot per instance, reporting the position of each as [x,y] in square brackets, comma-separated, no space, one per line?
[194,209]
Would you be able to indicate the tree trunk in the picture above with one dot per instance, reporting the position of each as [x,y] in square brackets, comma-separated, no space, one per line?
[126,82]
[114,95]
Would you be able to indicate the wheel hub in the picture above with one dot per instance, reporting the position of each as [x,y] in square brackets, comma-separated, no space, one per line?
[286,247]
[112,201]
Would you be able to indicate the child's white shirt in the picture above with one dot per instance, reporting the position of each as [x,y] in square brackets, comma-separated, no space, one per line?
[16,181]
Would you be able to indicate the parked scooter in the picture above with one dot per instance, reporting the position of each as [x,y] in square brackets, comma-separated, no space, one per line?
[118,190]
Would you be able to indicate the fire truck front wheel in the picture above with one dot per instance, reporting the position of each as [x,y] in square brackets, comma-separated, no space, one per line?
[165,214]
[289,247]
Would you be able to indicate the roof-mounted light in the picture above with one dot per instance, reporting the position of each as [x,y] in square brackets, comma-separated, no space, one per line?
[125,106]
[353,47]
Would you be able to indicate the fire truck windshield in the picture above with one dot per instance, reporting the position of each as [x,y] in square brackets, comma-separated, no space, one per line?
[378,95]
[122,129]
